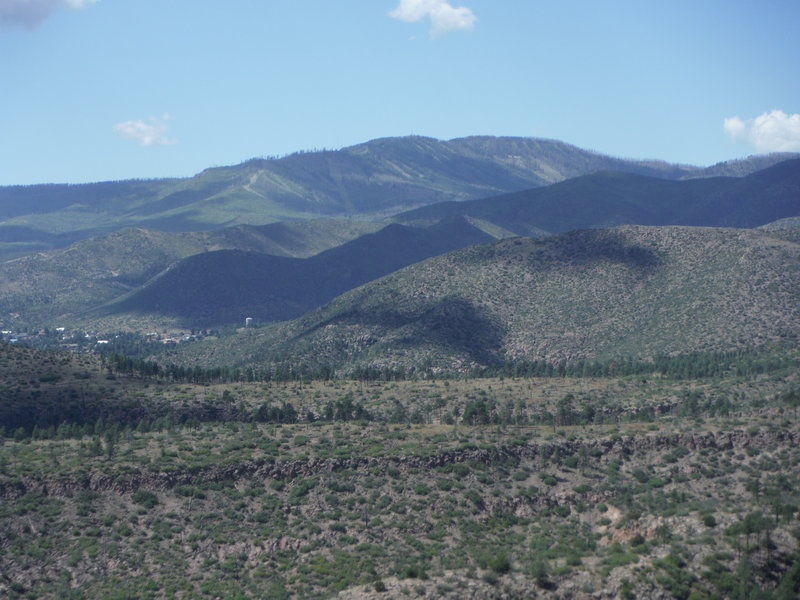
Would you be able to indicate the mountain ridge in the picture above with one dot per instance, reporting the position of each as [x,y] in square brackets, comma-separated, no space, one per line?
[609,198]
[373,179]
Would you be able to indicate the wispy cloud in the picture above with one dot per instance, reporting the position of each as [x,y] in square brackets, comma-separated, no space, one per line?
[151,132]
[773,131]
[443,16]
[29,13]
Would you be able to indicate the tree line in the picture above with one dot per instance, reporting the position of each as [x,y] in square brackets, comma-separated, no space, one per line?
[695,365]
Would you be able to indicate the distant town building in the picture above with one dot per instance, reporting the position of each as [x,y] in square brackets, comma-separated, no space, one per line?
[248,322]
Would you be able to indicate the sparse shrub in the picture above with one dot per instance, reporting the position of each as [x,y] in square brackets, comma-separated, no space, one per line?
[460,469]
[574,560]
[539,572]
[626,590]
[548,479]
[637,540]
[490,578]
[302,486]
[474,497]
[190,491]
[500,564]
[146,498]
[562,511]
[422,489]
[414,572]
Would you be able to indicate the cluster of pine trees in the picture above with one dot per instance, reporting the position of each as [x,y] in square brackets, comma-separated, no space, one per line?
[694,365]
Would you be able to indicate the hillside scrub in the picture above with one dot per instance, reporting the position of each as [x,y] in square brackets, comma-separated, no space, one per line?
[628,293]
[265,509]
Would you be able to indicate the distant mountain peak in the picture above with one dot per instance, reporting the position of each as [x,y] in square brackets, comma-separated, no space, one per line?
[372,180]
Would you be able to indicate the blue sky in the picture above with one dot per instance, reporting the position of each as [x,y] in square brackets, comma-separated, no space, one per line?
[111,89]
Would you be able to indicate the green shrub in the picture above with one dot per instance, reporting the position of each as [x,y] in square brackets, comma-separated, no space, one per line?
[189,491]
[562,511]
[302,486]
[500,564]
[539,572]
[146,498]
[574,560]
[548,479]
[474,497]
[619,559]
[414,572]
[709,520]
[422,489]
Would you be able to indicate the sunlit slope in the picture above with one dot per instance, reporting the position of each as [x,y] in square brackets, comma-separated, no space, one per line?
[625,292]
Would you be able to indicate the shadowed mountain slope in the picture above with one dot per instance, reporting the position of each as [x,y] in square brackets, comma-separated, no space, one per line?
[607,199]
[629,291]
[48,286]
[222,287]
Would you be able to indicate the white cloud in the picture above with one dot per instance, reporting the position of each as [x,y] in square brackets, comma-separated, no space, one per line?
[146,133]
[444,17]
[29,13]
[773,131]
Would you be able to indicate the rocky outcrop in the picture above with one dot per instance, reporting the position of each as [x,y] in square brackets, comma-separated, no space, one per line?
[621,446]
